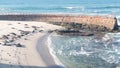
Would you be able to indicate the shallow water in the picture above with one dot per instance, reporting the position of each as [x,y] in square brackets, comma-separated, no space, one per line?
[87,52]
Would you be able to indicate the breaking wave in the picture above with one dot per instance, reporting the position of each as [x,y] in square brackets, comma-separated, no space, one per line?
[79,8]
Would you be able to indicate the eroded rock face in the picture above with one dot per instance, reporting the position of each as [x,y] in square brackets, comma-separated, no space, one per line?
[90,27]
[98,23]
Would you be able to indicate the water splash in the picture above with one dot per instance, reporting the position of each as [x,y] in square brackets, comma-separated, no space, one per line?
[118,20]
[105,49]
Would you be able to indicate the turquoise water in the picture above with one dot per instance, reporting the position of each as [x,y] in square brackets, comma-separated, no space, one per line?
[93,7]
[87,52]
[61,6]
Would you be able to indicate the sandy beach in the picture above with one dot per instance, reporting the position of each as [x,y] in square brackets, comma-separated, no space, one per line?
[22,44]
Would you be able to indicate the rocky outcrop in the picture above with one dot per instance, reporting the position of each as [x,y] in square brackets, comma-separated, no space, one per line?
[74,33]
[97,23]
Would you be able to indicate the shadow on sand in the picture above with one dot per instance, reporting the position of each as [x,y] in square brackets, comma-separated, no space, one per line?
[21,66]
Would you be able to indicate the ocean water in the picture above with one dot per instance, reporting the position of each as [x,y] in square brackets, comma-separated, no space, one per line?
[87,51]
[93,7]
[76,51]
[61,6]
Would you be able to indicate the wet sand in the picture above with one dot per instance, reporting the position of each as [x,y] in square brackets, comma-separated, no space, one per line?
[42,48]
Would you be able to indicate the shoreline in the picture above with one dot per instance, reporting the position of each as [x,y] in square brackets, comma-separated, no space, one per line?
[56,60]
[43,49]
[35,52]
[26,55]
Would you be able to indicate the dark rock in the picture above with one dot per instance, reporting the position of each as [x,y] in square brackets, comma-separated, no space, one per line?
[12,28]
[26,24]
[8,45]
[74,33]
[116,26]
[19,36]
[27,27]
[8,35]
[86,34]
[13,33]
[82,26]
[50,31]
[19,45]
[5,37]
[22,35]
[25,39]
[19,23]
[34,26]
[11,40]
[34,31]
[25,32]
[20,30]
[68,31]
[40,30]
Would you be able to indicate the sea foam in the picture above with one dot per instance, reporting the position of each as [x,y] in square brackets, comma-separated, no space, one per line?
[76,7]
[118,20]
[57,61]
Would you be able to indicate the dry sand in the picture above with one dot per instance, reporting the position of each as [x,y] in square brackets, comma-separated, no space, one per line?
[27,56]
